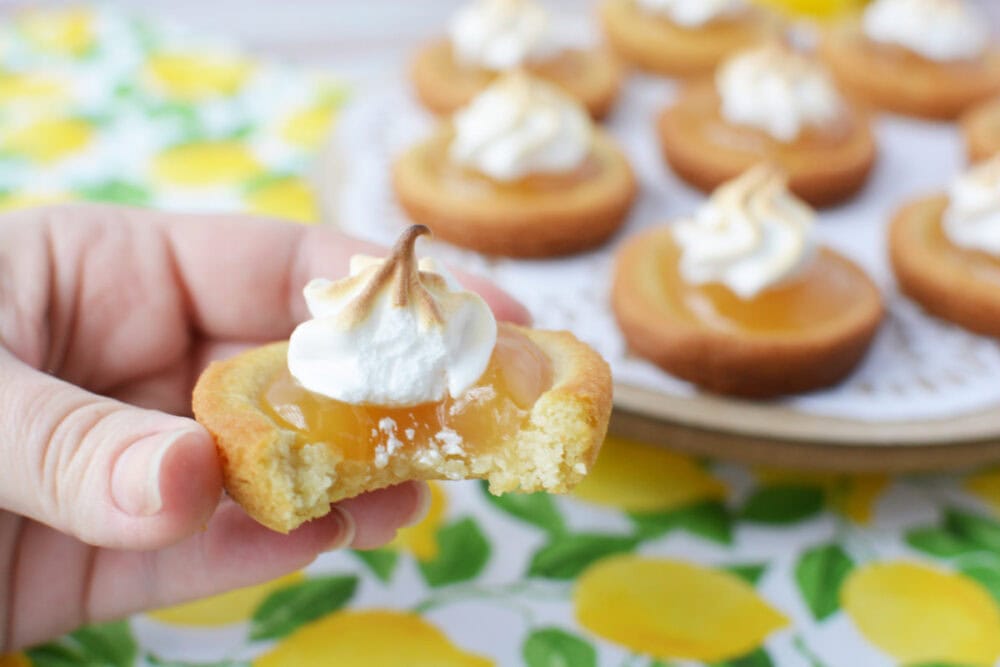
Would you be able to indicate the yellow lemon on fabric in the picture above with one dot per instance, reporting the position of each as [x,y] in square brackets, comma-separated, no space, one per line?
[920,614]
[68,32]
[815,8]
[289,198]
[374,638]
[49,139]
[194,76]
[309,127]
[421,539]
[19,200]
[14,660]
[637,477]
[672,609]
[16,87]
[232,607]
[206,163]
[857,501]
[986,486]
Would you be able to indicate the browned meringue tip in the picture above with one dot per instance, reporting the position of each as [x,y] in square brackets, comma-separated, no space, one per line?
[400,269]
[408,238]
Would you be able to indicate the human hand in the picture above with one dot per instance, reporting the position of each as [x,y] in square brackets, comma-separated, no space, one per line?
[109,492]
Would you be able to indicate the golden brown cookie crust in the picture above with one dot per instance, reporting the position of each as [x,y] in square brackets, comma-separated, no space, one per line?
[656,45]
[947,284]
[821,175]
[915,86]
[443,86]
[737,363]
[275,479]
[980,128]
[543,224]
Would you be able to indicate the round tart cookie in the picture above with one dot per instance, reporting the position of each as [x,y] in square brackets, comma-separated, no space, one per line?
[925,58]
[522,171]
[487,37]
[683,37]
[769,104]
[945,251]
[981,131]
[737,300]
[401,375]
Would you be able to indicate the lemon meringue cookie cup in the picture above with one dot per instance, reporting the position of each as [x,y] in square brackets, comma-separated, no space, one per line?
[489,37]
[400,375]
[740,300]
[521,171]
[945,250]
[774,104]
[926,58]
[683,37]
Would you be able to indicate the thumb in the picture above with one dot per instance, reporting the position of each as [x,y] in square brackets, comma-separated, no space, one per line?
[105,472]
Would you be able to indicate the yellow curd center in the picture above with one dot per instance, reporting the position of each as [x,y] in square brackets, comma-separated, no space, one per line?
[463,181]
[484,418]
[826,288]
[981,264]
[702,116]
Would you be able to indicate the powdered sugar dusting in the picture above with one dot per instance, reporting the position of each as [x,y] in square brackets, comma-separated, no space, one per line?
[451,442]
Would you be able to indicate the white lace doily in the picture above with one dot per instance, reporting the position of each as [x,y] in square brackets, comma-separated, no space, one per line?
[918,368]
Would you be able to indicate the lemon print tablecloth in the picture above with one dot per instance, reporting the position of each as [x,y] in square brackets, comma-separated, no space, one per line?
[656,560]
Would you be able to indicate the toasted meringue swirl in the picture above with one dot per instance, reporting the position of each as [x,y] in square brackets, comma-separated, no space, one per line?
[752,234]
[500,34]
[972,219]
[693,13]
[393,333]
[942,30]
[778,90]
[518,126]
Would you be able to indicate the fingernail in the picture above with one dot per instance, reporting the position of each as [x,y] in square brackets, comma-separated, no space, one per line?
[421,506]
[345,534]
[135,481]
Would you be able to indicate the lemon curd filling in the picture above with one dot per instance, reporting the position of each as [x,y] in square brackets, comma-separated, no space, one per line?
[982,264]
[823,291]
[464,181]
[482,420]
[702,116]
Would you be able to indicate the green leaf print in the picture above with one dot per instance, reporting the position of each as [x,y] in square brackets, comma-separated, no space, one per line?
[938,542]
[108,645]
[535,508]
[286,610]
[184,118]
[783,504]
[552,647]
[710,519]
[117,192]
[463,551]
[984,568]
[982,531]
[565,556]
[759,658]
[820,572]
[382,562]
[749,572]
[266,179]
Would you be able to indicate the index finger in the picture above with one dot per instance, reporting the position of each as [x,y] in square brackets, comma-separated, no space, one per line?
[244,276]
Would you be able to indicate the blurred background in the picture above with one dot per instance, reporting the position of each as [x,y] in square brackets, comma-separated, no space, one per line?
[363,39]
